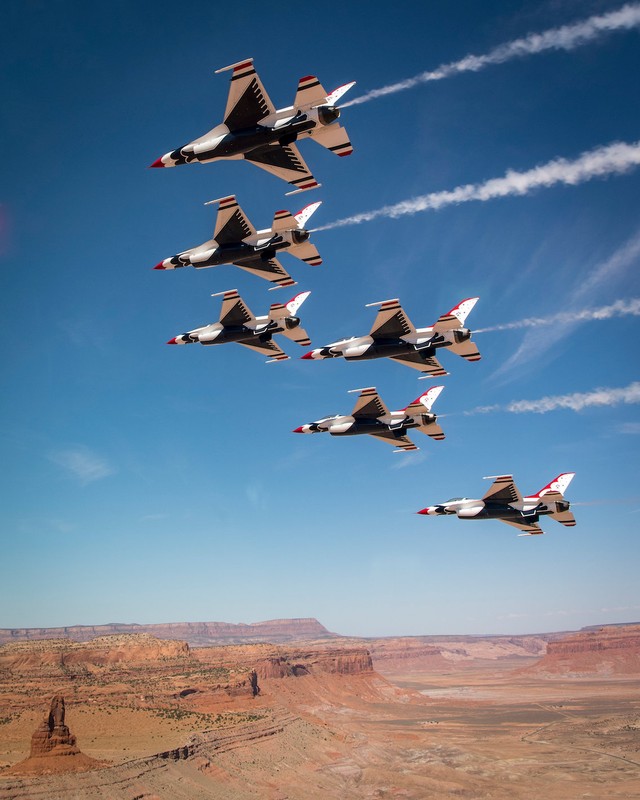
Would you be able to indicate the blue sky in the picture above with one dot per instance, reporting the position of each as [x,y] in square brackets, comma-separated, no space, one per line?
[146,483]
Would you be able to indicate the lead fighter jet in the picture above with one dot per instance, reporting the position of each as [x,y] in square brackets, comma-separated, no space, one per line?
[238,324]
[253,129]
[393,336]
[236,241]
[371,416]
[504,502]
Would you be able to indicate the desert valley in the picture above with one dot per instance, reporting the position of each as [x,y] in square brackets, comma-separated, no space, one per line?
[286,709]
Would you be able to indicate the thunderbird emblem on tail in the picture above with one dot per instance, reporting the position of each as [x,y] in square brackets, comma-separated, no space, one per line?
[393,336]
[371,416]
[236,241]
[254,130]
[504,502]
[238,324]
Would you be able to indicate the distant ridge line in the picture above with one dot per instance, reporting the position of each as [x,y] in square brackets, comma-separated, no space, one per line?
[195,633]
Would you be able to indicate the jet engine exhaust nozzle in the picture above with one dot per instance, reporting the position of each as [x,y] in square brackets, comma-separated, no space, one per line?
[328,114]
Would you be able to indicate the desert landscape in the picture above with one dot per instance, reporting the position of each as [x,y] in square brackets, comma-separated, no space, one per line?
[98,713]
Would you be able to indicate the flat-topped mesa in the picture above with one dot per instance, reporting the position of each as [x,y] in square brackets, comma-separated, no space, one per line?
[101,651]
[52,736]
[194,633]
[610,650]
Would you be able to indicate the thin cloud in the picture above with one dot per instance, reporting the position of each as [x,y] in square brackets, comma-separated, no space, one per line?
[620,308]
[81,463]
[537,342]
[613,159]
[576,401]
[629,428]
[567,37]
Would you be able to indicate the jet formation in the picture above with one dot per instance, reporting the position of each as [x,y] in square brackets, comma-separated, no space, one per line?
[504,502]
[372,417]
[394,336]
[236,241]
[237,324]
[254,130]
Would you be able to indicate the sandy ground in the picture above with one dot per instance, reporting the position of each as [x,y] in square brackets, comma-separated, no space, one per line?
[478,733]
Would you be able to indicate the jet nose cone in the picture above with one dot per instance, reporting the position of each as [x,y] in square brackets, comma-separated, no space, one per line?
[308,355]
[423,511]
[298,430]
[172,341]
[160,265]
[157,163]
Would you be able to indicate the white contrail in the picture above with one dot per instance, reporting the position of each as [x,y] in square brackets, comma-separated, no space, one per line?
[612,159]
[621,308]
[575,402]
[566,37]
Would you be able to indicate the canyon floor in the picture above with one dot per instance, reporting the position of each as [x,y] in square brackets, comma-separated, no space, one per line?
[331,727]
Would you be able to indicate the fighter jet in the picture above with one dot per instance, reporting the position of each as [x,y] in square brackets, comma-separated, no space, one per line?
[371,416]
[236,241]
[238,324]
[393,336]
[504,502]
[255,130]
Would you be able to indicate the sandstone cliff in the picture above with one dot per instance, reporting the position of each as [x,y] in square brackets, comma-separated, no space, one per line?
[610,650]
[194,633]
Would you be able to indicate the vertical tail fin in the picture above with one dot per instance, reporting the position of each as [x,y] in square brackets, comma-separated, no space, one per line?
[425,400]
[558,486]
[303,216]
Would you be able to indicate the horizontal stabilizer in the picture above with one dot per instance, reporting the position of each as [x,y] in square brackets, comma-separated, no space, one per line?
[306,252]
[468,350]
[297,335]
[283,221]
[310,93]
[434,431]
[564,518]
[334,138]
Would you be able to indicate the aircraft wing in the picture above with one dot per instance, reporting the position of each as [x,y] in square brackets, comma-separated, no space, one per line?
[401,442]
[248,101]
[391,322]
[234,313]
[231,223]
[369,405]
[270,269]
[285,162]
[503,490]
[430,365]
[527,528]
[266,349]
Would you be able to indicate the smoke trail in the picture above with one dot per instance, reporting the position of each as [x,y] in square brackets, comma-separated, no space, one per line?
[566,37]
[574,402]
[621,308]
[612,159]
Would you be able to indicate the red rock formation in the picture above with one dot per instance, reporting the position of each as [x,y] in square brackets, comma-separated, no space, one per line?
[195,633]
[610,650]
[329,661]
[52,734]
[53,746]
